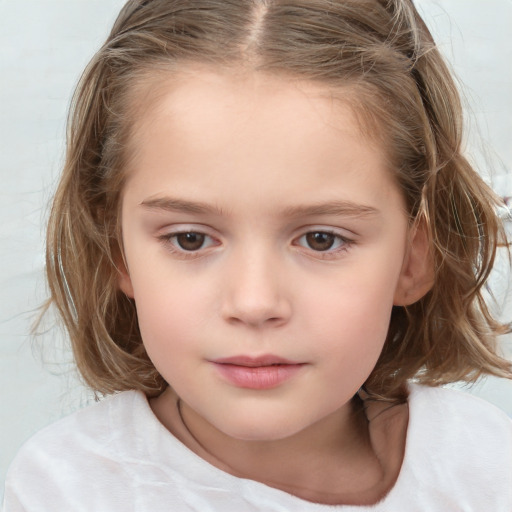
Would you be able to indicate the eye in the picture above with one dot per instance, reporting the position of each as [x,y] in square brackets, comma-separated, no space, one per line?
[320,241]
[188,241]
[323,241]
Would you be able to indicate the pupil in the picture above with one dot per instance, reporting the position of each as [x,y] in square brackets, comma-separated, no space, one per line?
[190,241]
[320,241]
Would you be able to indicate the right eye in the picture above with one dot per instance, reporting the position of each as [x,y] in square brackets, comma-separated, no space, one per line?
[188,241]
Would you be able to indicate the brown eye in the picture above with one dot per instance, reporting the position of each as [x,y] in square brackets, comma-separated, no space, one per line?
[320,240]
[190,241]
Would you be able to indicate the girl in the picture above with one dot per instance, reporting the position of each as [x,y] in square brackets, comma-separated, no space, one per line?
[268,248]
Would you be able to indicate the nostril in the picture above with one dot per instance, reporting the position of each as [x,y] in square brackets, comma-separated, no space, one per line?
[256,318]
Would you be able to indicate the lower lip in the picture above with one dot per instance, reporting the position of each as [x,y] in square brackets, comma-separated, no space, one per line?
[259,377]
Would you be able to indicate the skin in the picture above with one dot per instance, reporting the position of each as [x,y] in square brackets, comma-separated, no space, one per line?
[252,164]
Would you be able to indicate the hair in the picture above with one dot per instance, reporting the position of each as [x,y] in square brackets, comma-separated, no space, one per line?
[382,51]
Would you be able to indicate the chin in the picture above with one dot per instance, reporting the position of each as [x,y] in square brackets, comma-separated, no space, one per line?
[260,429]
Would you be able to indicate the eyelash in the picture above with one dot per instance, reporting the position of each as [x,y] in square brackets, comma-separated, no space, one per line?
[342,243]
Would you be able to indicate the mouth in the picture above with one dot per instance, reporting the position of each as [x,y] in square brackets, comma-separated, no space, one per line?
[264,372]
[254,362]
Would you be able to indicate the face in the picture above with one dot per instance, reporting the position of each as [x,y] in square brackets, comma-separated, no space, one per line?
[265,244]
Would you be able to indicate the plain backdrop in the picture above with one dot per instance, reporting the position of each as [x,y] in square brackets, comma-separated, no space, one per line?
[44,45]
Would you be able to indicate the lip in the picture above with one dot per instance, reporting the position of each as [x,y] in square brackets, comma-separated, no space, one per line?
[263,372]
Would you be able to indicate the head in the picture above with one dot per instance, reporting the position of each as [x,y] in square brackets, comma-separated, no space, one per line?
[375,56]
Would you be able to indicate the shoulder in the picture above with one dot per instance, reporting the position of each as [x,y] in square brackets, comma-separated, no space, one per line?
[67,453]
[448,408]
[92,424]
[459,445]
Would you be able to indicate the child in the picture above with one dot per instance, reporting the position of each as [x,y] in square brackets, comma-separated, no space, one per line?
[268,248]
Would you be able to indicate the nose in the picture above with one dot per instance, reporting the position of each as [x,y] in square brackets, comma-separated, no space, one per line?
[256,292]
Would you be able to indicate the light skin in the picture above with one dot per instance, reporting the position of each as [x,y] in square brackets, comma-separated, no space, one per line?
[257,220]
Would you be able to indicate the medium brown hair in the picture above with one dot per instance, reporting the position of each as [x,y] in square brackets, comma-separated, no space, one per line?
[379,49]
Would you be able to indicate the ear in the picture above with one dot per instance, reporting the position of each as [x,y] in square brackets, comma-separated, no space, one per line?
[124,280]
[417,274]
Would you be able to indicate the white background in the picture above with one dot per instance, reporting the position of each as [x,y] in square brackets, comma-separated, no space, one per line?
[44,45]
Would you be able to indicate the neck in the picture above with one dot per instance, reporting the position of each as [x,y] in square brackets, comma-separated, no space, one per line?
[332,461]
[343,434]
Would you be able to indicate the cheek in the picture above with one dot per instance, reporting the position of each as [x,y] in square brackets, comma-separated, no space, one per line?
[359,296]
[162,313]
[166,335]
[359,330]
[354,316]
[171,313]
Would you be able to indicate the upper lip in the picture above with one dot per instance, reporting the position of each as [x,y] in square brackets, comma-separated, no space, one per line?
[265,360]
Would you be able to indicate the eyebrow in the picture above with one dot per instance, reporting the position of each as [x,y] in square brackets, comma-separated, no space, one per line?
[335,208]
[180,205]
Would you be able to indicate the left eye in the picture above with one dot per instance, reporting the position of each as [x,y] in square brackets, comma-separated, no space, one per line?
[321,241]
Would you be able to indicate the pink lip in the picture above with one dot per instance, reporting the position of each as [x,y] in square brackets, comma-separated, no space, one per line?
[263,372]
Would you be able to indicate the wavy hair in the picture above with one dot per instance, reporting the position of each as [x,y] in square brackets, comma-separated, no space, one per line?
[403,93]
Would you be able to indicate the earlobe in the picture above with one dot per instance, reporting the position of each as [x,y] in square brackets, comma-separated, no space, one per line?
[124,280]
[125,283]
[417,274]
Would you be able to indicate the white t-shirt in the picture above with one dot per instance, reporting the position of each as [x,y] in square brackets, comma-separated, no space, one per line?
[115,456]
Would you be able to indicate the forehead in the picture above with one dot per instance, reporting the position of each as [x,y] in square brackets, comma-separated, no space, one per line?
[196,90]
[201,129]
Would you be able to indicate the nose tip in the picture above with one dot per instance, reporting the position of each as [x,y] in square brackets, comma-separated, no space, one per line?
[256,296]
[257,316]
